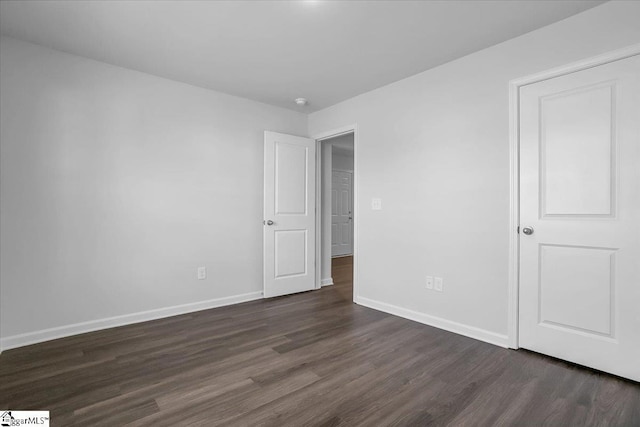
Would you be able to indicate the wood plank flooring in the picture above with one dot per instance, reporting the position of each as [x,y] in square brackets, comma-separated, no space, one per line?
[311,359]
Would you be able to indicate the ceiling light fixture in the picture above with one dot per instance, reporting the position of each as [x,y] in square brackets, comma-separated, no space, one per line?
[301,101]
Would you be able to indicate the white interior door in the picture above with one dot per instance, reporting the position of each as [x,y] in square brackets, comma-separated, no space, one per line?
[289,214]
[580,208]
[341,213]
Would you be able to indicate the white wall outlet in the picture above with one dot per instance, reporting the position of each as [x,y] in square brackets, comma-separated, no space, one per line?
[439,284]
[202,273]
[376,204]
[429,282]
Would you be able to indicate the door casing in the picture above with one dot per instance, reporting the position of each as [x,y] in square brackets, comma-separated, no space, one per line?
[514,169]
[319,138]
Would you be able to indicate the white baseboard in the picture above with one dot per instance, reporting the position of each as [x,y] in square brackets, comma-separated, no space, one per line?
[21,340]
[438,322]
[326,282]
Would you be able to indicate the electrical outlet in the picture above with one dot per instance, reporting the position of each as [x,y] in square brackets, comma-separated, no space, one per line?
[202,273]
[439,284]
[376,204]
[429,282]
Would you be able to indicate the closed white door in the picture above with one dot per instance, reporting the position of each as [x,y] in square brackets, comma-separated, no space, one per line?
[580,210]
[289,214]
[341,213]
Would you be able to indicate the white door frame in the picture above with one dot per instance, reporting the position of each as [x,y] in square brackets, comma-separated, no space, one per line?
[514,167]
[319,138]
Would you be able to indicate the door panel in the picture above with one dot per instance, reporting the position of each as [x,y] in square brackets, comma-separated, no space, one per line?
[582,276]
[579,192]
[291,161]
[290,256]
[289,203]
[341,213]
[577,170]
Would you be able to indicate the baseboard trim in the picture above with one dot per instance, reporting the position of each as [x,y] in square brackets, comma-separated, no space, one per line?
[29,338]
[326,282]
[438,322]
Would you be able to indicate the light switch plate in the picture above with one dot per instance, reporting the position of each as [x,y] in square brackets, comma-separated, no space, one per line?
[376,204]
[202,273]
[429,282]
[439,284]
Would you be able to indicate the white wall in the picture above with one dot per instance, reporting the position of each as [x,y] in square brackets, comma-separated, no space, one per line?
[343,162]
[434,147]
[116,185]
[342,155]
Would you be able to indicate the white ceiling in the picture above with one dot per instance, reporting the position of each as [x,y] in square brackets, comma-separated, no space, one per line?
[275,51]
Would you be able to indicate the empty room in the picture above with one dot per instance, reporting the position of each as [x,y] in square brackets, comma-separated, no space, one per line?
[320,213]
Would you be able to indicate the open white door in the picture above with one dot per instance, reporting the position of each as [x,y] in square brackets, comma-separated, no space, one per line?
[580,217]
[289,214]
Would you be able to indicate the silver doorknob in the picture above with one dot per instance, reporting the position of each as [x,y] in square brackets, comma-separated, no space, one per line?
[528,231]
[269,222]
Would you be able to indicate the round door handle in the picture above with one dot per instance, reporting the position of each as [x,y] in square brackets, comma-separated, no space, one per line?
[270,222]
[528,231]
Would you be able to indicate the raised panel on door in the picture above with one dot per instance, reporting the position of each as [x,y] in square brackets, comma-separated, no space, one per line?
[334,202]
[345,234]
[345,202]
[576,287]
[579,193]
[577,173]
[335,234]
[291,192]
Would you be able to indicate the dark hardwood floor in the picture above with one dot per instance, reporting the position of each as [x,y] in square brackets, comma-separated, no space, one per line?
[342,275]
[307,359]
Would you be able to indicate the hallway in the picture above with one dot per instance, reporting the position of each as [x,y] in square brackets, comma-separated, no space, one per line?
[342,274]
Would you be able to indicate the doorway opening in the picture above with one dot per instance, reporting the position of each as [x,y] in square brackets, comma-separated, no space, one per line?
[337,212]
